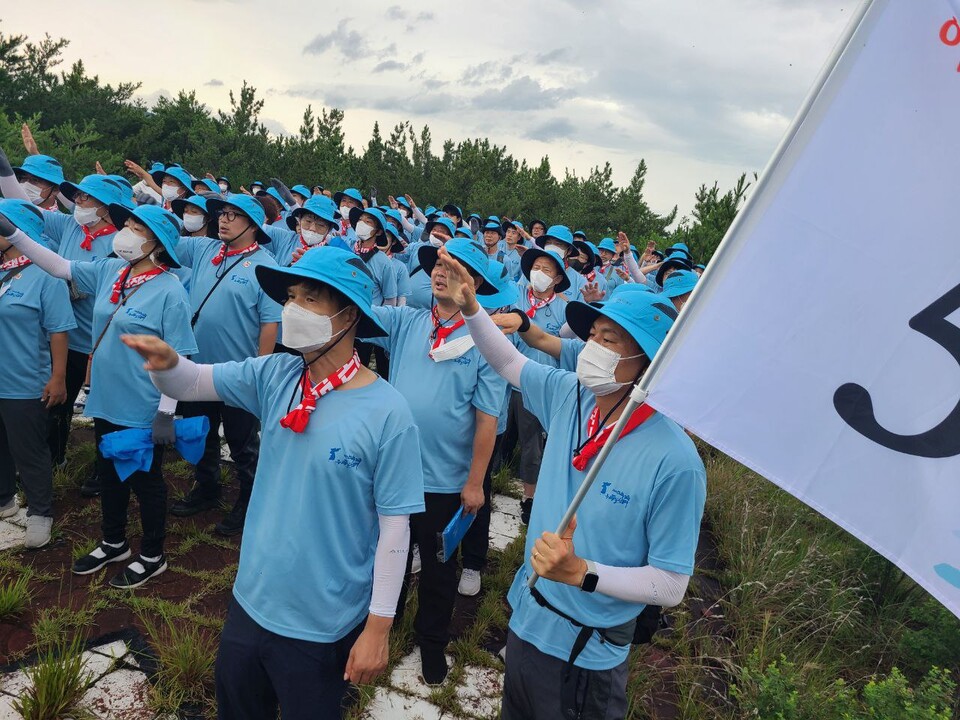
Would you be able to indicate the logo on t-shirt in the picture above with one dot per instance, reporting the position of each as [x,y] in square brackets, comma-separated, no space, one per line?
[239,280]
[617,497]
[135,314]
[342,458]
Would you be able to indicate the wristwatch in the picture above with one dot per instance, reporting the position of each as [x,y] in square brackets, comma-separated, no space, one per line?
[590,577]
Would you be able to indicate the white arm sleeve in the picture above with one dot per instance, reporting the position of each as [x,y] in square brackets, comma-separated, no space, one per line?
[167,405]
[500,353]
[407,225]
[567,332]
[390,564]
[646,584]
[418,214]
[65,201]
[11,189]
[44,258]
[631,262]
[186,381]
[390,302]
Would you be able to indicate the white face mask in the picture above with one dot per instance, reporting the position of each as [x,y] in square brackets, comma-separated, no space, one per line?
[345,211]
[170,192]
[128,246]
[312,238]
[303,330]
[540,281]
[561,250]
[34,193]
[223,187]
[192,223]
[452,349]
[597,367]
[364,230]
[436,240]
[85,216]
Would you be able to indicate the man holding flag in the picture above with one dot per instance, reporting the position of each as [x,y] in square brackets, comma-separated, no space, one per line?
[639,524]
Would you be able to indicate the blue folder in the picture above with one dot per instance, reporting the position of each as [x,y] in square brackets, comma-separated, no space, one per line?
[450,538]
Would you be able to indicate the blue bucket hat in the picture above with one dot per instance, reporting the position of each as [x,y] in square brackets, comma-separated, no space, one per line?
[102,188]
[507,291]
[608,244]
[356,213]
[398,218]
[630,287]
[447,223]
[397,244]
[530,256]
[680,283]
[471,216]
[178,174]
[162,223]
[560,233]
[592,251]
[469,253]
[26,216]
[579,234]
[495,226]
[452,209]
[248,206]
[257,182]
[463,232]
[675,262]
[340,269]
[41,166]
[680,247]
[319,205]
[302,190]
[535,221]
[223,179]
[647,317]
[403,201]
[208,184]
[156,166]
[198,201]
[351,193]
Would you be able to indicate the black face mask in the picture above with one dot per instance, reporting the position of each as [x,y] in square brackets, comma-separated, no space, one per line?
[578,265]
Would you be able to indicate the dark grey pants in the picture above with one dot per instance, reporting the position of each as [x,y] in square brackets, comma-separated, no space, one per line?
[538,687]
[24,430]
[531,437]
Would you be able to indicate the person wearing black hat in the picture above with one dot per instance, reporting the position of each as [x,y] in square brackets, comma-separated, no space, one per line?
[536,228]
[493,241]
[233,320]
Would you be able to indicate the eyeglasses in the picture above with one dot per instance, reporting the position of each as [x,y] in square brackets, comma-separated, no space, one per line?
[314,223]
[229,215]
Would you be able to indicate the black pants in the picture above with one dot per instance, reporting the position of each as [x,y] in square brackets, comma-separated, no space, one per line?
[151,493]
[259,671]
[240,431]
[538,686]
[476,543]
[531,438]
[23,448]
[61,416]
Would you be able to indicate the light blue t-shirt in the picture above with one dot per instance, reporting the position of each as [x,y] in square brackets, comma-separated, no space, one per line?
[511,260]
[306,562]
[228,327]
[65,236]
[612,278]
[384,277]
[421,291]
[443,396]
[644,509]
[284,242]
[577,281]
[549,318]
[120,389]
[569,352]
[33,304]
[403,278]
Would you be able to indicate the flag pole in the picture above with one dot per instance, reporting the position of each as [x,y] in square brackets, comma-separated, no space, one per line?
[639,393]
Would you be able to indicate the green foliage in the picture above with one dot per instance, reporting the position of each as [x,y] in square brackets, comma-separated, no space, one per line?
[186,655]
[57,684]
[14,597]
[80,120]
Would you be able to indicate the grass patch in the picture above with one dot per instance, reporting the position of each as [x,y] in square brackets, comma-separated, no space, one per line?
[14,596]
[57,684]
[58,625]
[186,655]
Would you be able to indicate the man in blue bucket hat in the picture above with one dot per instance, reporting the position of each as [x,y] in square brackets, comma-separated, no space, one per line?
[328,527]
[40,177]
[634,538]
[610,263]
[347,200]
[430,348]
[314,224]
[678,286]
[435,233]
[174,182]
[560,239]
[233,319]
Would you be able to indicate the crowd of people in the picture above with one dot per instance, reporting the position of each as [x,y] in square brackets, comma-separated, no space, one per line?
[370,365]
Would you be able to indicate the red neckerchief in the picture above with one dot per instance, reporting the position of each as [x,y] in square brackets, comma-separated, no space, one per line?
[298,418]
[442,332]
[592,447]
[591,276]
[365,253]
[224,253]
[89,237]
[344,226]
[125,282]
[15,263]
[536,304]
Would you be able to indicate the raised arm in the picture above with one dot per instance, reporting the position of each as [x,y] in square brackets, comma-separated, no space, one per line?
[174,376]
[9,185]
[44,258]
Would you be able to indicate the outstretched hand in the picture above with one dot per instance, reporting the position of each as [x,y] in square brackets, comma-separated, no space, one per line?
[158,355]
[28,142]
[459,283]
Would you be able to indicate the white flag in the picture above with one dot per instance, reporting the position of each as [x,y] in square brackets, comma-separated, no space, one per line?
[822,348]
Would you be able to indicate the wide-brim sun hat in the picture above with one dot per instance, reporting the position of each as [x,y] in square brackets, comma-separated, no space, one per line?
[467,252]
[680,283]
[535,221]
[507,291]
[197,201]
[393,235]
[178,174]
[495,226]
[447,224]
[646,317]
[351,193]
[593,253]
[162,223]
[677,262]
[531,255]
[608,244]
[452,209]
[24,215]
[560,233]
[340,269]
[302,190]
[249,207]
[41,166]
[319,205]
[102,188]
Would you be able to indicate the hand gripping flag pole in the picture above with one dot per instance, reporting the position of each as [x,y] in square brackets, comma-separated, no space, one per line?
[639,393]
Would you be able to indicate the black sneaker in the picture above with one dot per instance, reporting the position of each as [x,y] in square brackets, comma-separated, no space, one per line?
[102,555]
[196,501]
[526,506]
[138,572]
[232,524]
[91,486]
[433,664]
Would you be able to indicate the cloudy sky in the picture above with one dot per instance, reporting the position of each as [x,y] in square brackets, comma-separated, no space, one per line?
[702,90]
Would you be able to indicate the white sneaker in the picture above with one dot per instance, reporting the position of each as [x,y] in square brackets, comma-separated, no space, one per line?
[469,583]
[415,564]
[38,531]
[10,509]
